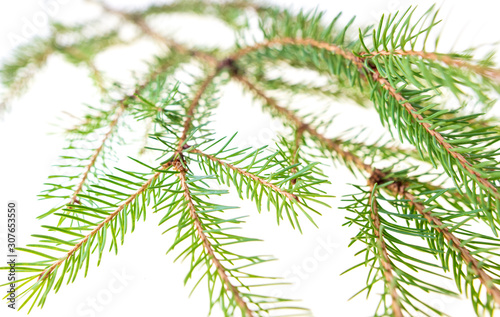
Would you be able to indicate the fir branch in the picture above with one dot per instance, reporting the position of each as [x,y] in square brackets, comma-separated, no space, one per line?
[46,272]
[394,70]
[374,74]
[384,259]
[435,134]
[192,106]
[395,188]
[265,177]
[247,174]
[18,71]
[178,166]
[476,267]
[400,189]
[97,151]
[119,110]
[399,32]
[397,229]
[448,59]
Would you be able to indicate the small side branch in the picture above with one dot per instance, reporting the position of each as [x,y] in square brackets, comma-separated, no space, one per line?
[96,154]
[246,174]
[487,281]
[488,72]
[221,271]
[384,255]
[45,273]
[192,107]
[121,106]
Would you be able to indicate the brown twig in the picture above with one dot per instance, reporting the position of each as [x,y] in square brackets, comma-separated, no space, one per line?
[192,106]
[384,259]
[295,155]
[296,41]
[221,271]
[98,151]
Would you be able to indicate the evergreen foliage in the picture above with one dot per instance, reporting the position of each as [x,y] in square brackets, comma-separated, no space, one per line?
[416,228]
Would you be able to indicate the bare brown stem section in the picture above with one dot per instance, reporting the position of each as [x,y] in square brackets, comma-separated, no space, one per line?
[246,174]
[221,271]
[295,41]
[384,260]
[359,62]
[45,273]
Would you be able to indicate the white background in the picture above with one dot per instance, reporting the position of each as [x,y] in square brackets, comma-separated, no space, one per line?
[153,286]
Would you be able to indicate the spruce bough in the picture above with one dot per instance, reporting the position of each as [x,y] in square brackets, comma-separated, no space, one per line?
[417,228]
